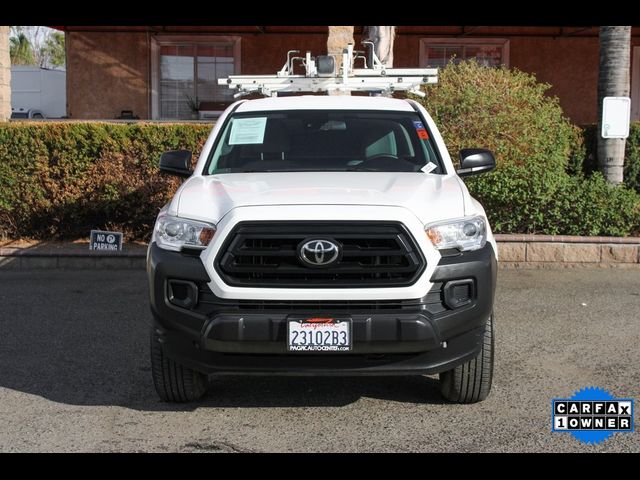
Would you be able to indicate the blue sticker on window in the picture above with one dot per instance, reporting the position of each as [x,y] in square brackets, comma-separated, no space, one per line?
[418,125]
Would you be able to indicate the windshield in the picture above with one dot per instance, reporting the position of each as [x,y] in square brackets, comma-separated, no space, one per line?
[323,141]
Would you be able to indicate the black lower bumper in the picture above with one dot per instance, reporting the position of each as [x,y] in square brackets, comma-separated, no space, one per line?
[418,336]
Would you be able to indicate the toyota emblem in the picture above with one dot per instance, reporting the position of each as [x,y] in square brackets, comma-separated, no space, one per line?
[319,252]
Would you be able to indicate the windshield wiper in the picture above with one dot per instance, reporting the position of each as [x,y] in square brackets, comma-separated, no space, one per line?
[354,169]
[262,171]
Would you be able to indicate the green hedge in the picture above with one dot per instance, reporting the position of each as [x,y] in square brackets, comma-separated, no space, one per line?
[525,199]
[60,180]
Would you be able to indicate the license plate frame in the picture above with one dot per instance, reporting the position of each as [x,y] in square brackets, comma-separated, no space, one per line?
[326,326]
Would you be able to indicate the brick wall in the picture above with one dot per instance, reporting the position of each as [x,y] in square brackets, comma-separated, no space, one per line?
[109,71]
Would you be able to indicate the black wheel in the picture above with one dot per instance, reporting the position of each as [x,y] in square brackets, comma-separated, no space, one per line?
[174,382]
[471,381]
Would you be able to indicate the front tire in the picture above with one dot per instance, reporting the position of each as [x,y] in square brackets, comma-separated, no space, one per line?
[471,381]
[174,383]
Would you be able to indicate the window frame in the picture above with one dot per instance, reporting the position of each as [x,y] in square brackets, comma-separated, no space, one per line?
[463,42]
[158,41]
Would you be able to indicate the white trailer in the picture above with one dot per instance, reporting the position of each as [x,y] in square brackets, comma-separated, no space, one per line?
[39,88]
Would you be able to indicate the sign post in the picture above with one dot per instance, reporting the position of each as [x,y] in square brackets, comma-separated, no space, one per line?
[616,114]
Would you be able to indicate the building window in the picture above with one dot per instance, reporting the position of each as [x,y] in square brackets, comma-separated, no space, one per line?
[187,73]
[438,52]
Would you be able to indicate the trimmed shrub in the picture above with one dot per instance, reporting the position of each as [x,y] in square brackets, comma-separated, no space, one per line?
[60,180]
[504,110]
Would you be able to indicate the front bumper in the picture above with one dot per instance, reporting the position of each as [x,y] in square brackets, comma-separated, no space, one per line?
[418,336]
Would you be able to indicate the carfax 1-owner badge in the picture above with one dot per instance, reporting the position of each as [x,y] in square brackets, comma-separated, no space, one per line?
[592,415]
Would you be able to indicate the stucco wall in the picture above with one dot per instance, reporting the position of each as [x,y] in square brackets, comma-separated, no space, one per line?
[107,73]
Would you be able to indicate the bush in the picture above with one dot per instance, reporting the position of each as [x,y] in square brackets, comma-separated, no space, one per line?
[519,199]
[504,110]
[60,180]
[539,185]
[631,157]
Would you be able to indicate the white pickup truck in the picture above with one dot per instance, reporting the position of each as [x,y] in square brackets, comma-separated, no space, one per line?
[323,235]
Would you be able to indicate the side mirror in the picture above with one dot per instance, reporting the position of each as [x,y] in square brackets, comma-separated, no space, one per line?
[176,162]
[474,161]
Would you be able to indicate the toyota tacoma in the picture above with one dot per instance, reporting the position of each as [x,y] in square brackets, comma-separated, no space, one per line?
[323,235]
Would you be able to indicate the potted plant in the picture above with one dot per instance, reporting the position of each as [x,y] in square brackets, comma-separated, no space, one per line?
[194,106]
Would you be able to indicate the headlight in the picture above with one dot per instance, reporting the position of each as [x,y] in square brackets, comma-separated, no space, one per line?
[173,233]
[466,234]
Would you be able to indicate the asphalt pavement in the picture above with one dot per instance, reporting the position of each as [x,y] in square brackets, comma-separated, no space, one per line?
[75,376]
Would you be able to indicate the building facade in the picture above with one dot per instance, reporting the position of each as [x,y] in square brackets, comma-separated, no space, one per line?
[171,72]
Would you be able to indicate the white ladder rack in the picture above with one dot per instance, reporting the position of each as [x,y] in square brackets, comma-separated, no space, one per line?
[320,76]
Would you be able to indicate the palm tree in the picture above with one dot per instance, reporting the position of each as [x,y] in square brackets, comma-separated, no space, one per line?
[53,50]
[382,38]
[613,81]
[20,50]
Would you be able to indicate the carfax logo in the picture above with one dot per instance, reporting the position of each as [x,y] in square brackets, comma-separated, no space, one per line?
[592,415]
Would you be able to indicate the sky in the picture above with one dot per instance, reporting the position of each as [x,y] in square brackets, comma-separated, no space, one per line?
[36,33]
[37,36]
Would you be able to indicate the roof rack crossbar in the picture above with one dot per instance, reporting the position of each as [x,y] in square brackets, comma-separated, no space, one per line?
[321,75]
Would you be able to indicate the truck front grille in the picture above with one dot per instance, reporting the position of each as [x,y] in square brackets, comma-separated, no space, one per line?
[210,304]
[264,254]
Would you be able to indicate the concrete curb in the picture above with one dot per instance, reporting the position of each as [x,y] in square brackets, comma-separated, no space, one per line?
[529,237]
[516,251]
[60,255]
[77,262]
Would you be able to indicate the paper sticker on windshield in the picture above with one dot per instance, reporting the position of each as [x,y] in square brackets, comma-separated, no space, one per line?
[429,167]
[422,132]
[247,131]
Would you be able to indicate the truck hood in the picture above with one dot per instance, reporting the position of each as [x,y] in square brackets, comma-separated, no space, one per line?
[429,197]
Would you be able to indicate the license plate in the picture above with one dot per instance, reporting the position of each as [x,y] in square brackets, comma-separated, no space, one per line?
[319,335]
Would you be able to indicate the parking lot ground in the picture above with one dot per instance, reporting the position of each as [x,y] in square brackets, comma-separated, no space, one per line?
[74,376]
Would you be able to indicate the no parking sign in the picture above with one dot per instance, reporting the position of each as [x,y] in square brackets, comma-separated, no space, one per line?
[102,240]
